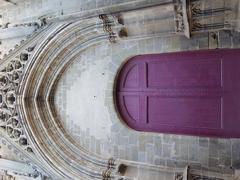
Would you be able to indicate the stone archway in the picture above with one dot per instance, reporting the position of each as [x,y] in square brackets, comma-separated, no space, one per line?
[31,97]
[62,155]
[43,127]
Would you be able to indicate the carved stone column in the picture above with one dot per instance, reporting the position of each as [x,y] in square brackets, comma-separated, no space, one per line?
[211,15]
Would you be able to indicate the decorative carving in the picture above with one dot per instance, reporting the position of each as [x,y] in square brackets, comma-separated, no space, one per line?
[200,177]
[123,32]
[107,174]
[179,176]
[10,78]
[107,27]
[24,57]
[179,23]
[122,168]
[198,13]
[111,163]
[181,18]
[182,175]
[195,8]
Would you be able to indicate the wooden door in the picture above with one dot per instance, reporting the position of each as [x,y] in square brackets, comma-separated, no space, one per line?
[195,93]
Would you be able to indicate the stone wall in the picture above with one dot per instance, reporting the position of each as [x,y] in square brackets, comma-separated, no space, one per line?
[85,96]
[85,92]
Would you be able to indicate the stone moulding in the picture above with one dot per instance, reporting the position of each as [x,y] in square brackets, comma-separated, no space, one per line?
[11,125]
[64,157]
[182,18]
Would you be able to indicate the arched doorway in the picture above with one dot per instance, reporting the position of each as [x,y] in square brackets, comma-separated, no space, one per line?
[194,93]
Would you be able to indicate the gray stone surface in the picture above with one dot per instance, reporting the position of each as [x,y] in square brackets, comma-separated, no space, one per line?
[93,79]
[236,153]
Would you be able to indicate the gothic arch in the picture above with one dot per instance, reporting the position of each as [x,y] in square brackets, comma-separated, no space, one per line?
[37,65]
[50,141]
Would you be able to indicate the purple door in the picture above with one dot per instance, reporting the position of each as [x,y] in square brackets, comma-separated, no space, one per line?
[195,93]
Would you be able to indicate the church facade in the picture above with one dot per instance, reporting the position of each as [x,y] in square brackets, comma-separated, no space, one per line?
[60,116]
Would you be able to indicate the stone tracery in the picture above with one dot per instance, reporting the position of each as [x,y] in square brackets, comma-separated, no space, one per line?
[10,78]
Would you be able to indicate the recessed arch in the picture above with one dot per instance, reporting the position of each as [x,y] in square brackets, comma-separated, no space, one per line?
[66,159]
[190,93]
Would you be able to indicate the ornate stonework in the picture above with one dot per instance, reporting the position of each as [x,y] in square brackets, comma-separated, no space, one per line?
[10,78]
[29,76]
[200,16]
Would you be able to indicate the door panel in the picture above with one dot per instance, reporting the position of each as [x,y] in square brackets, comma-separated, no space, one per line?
[184,73]
[188,112]
[195,93]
